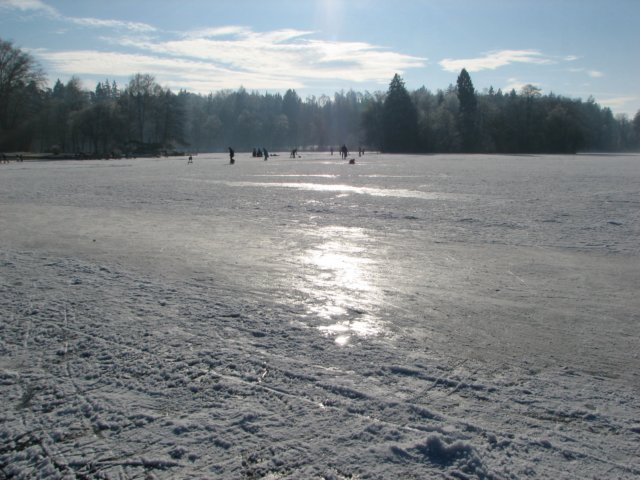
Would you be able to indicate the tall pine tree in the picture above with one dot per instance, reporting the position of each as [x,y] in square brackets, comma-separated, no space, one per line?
[468,111]
[400,119]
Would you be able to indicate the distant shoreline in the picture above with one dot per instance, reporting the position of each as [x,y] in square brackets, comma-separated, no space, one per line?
[45,156]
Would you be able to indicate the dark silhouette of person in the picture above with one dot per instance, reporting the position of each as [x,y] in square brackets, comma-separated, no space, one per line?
[331,151]
[266,154]
[345,151]
[231,154]
[190,159]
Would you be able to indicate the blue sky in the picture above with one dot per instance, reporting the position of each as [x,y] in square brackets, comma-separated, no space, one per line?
[576,48]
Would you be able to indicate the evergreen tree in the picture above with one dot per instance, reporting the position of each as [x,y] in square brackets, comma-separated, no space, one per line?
[400,119]
[468,110]
[169,119]
[372,122]
[291,106]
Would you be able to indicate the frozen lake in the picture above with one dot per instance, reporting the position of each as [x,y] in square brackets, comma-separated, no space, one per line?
[403,317]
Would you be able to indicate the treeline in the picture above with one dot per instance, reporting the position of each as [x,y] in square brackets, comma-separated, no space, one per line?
[461,120]
[142,117]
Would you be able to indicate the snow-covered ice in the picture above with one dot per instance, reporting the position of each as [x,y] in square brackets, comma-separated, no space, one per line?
[403,317]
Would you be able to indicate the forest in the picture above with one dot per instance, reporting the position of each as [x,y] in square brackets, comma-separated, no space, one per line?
[145,118]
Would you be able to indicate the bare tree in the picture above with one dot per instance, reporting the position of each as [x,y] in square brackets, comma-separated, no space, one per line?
[20,78]
[141,89]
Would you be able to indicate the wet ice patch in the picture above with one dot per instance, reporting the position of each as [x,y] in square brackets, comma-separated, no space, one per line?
[343,331]
[298,176]
[342,188]
[340,283]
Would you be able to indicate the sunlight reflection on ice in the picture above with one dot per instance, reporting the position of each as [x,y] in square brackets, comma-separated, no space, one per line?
[342,188]
[314,175]
[341,283]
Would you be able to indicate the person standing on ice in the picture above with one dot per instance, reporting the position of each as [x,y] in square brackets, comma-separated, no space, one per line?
[231,154]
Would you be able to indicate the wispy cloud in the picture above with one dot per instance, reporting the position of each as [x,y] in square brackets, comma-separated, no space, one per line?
[497,59]
[174,72]
[212,32]
[284,53]
[112,24]
[620,103]
[39,6]
[229,56]
[28,5]
[591,73]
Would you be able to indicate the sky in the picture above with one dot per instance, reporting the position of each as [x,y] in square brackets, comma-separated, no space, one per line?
[574,48]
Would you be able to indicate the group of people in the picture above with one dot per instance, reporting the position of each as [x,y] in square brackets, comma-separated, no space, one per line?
[259,153]
[256,153]
[344,151]
[5,159]
[263,153]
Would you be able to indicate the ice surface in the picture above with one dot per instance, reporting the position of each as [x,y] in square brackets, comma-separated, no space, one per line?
[403,317]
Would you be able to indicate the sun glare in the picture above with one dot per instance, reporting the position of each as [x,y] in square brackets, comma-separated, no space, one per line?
[340,284]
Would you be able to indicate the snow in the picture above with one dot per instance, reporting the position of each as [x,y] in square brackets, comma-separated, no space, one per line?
[403,317]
